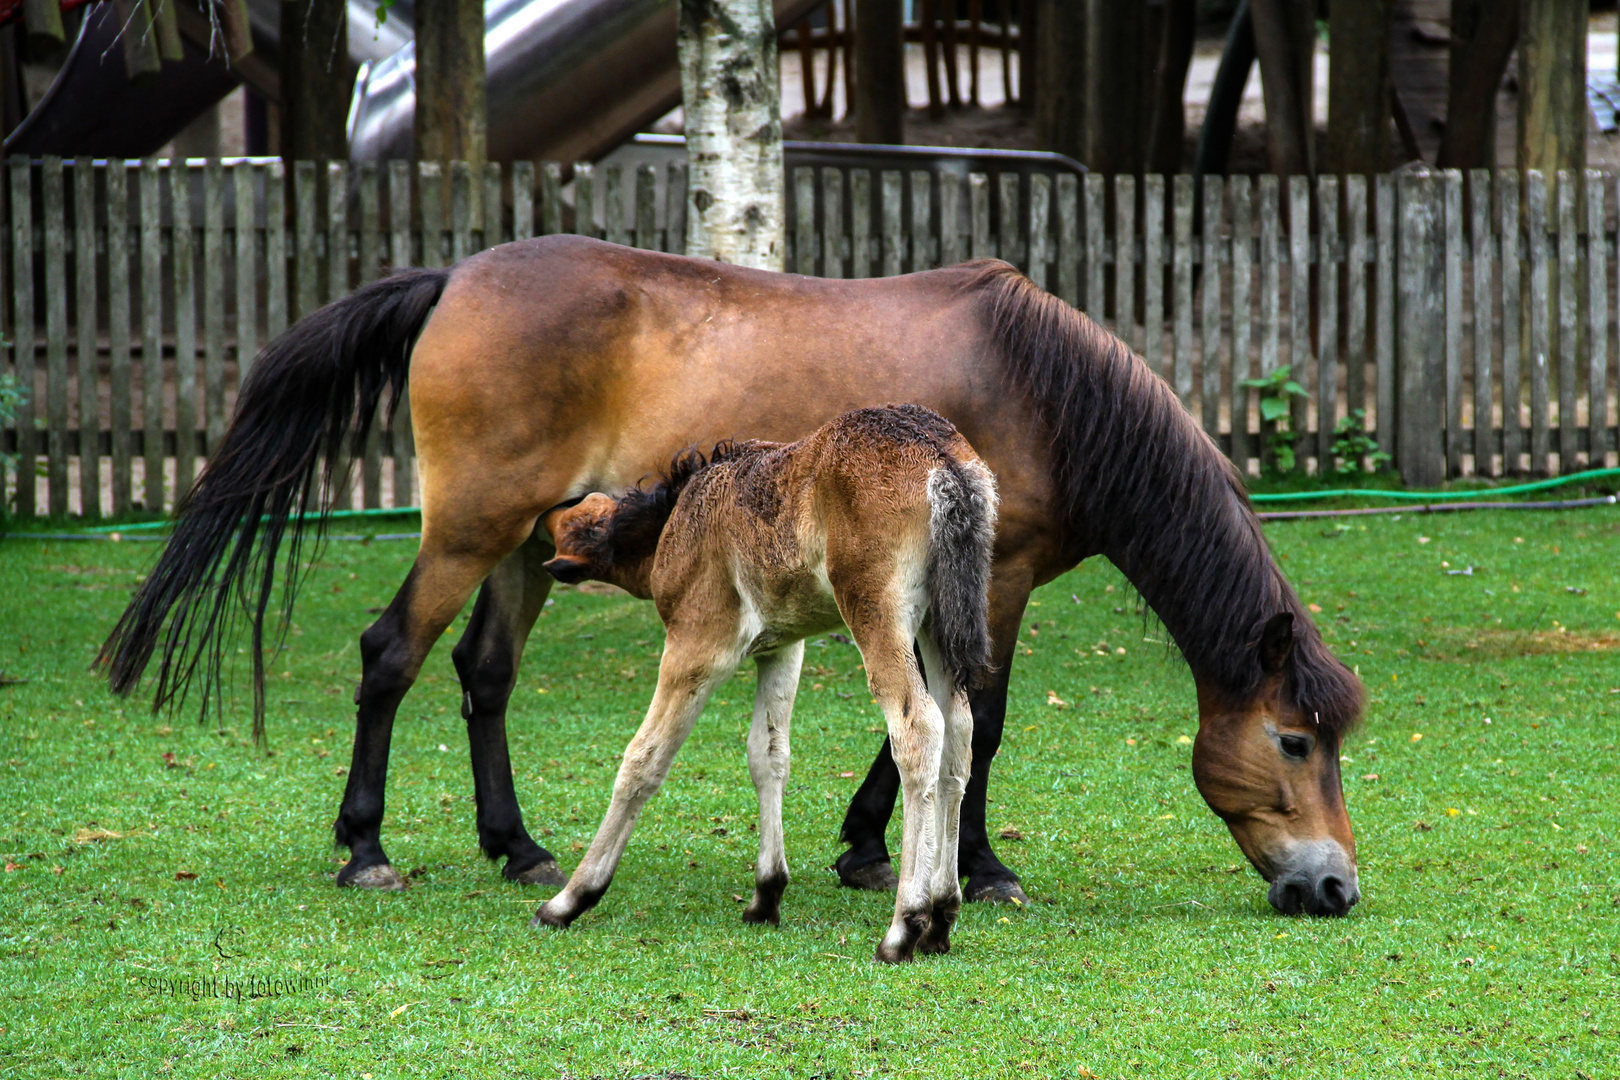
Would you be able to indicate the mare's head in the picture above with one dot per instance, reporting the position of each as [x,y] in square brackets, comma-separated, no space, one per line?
[1267,763]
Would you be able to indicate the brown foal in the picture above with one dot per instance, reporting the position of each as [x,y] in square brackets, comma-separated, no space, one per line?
[881,521]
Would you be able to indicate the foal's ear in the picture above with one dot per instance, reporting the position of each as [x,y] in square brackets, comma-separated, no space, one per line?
[569,569]
[1277,642]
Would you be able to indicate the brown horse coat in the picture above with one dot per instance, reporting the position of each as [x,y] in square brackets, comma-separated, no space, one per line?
[555,367]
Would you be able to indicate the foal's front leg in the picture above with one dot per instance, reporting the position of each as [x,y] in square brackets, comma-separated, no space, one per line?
[687,675]
[768,765]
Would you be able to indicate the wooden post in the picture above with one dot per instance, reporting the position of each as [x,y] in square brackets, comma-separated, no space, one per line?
[880,71]
[1420,323]
[1112,136]
[1058,118]
[451,114]
[1359,86]
[1285,38]
[1552,84]
[316,80]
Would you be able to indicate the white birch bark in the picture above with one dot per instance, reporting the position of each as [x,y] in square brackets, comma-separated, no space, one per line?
[731,93]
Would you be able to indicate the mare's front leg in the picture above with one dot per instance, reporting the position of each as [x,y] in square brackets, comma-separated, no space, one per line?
[487,659]
[866,864]
[768,760]
[988,879]
[391,654]
[687,675]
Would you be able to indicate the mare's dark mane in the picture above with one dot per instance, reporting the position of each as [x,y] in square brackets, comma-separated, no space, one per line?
[1145,486]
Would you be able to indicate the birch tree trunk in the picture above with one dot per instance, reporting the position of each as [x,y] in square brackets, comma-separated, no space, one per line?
[731,94]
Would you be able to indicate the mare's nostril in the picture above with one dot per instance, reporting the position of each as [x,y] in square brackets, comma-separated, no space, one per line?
[1335,898]
[1287,897]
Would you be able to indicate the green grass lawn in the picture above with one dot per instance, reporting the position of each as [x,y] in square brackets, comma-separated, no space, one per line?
[145,855]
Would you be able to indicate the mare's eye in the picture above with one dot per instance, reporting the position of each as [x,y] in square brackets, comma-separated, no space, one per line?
[1295,746]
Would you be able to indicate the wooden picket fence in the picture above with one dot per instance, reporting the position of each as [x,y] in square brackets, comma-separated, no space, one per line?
[1471,320]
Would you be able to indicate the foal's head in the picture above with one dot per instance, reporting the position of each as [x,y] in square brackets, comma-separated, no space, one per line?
[601,538]
[584,535]
[1269,767]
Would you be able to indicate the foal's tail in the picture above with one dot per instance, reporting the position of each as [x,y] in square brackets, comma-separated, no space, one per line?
[309,399]
[961,533]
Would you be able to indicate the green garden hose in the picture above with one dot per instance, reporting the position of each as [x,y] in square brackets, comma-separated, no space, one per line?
[1283,496]
[1433,496]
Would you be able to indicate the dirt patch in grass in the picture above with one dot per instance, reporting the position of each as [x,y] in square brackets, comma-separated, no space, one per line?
[1464,644]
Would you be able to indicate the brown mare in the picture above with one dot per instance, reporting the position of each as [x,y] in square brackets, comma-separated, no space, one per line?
[546,369]
[882,520]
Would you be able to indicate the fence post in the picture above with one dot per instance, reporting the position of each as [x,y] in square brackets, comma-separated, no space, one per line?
[1420,329]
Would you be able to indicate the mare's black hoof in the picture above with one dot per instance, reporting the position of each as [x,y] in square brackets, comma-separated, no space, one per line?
[996,891]
[376,876]
[762,915]
[545,872]
[874,876]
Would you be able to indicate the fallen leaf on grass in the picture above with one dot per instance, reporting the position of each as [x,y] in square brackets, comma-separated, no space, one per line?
[1010,833]
[184,875]
[1055,701]
[88,835]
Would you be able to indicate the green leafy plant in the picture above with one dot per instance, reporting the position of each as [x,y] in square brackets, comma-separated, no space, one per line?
[1277,393]
[1354,451]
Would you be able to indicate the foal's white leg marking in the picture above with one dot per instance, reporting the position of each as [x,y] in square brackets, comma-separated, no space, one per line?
[956,760]
[687,675]
[768,760]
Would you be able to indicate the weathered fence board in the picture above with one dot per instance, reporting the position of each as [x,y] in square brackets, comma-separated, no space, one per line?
[1471,331]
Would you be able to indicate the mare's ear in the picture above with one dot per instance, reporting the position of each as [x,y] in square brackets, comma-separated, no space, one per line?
[569,569]
[1277,642]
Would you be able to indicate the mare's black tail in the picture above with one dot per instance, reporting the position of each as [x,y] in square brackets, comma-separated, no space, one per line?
[962,527]
[309,398]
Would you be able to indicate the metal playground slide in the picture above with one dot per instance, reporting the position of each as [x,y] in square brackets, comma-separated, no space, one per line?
[568,80]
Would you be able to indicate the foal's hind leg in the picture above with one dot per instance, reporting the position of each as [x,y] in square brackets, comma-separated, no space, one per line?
[768,765]
[391,654]
[487,659]
[956,755]
[916,731]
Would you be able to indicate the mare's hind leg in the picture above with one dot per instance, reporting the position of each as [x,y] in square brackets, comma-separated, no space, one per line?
[391,654]
[956,755]
[687,675]
[487,659]
[768,765]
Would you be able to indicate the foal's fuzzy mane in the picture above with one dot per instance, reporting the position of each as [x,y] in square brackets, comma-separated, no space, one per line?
[633,530]
[1145,486]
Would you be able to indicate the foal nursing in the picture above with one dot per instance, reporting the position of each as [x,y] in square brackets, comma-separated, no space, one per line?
[882,521]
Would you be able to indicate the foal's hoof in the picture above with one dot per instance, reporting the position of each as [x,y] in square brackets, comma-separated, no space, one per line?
[997,891]
[876,877]
[376,876]
[546,917]
[546,872]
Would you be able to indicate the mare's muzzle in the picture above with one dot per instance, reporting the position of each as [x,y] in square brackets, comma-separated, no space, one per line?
[1317,879]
